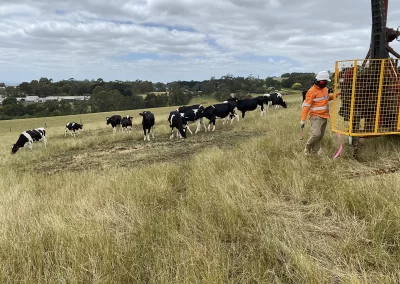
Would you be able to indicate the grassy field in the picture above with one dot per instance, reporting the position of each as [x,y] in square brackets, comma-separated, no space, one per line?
[238,205]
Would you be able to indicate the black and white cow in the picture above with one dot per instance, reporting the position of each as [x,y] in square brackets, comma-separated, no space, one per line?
[275,99]
[126,124]
[262,102]
[28,137]
[248,105]
[175,121]
[222,110]
[191,114]
[231,117]
[73,128]
[148,124]
[184,109]
[115,121]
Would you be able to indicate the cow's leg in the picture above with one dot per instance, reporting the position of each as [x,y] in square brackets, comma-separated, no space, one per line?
[178,135]
[188,128]
[243,113]
[234,115]
[30,145]
[213,125]
[45,141]
[198,126]
[199,123]
[172,133]
[144,134]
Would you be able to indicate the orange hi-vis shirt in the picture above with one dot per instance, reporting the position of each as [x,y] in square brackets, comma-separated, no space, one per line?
[316,103]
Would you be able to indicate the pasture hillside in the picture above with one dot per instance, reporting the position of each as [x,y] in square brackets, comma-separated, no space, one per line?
[238,205]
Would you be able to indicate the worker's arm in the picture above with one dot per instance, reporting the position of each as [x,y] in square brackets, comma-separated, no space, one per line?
[331,96]
[307,104]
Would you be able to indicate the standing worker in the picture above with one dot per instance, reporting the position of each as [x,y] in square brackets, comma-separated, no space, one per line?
[316,104]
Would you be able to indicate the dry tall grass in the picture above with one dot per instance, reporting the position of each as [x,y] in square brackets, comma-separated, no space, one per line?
[240,205]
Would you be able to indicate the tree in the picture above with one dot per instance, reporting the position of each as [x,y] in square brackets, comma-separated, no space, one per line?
[46,90]
[66,88]
[26,88]
[296,86]
[9,101]
[14,110]
[44,81]
[97,89]
[35,87]
[11,91]
[223,92]
[177,97]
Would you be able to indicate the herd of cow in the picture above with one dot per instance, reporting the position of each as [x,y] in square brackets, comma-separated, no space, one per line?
[178,119]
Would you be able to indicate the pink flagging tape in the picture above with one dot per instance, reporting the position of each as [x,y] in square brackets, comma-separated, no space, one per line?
[340,148]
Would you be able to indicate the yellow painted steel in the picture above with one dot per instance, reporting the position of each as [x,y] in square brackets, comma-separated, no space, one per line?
[398,121]
[378,107]
[352,96]
[335,92]
[369,104]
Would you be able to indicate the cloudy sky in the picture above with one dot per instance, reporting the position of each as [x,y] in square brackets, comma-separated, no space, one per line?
[167,40]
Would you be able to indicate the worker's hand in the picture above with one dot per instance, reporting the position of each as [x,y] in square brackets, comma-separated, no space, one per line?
[302,123]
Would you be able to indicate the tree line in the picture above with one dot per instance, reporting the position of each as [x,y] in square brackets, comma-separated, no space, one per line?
[125,95]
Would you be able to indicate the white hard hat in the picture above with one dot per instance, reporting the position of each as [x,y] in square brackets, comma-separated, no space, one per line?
[323,76]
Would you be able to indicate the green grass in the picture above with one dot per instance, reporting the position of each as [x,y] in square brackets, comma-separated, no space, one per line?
[238,205]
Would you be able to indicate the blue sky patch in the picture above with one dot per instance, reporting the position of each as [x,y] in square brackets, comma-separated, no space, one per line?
[61,12]
[170,28]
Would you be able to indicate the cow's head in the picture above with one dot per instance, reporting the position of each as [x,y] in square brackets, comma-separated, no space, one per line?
[108,120]
[14,148]
[145,114]
[283,104]
[183,132]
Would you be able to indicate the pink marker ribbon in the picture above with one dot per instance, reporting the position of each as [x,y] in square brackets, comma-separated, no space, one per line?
[340,148]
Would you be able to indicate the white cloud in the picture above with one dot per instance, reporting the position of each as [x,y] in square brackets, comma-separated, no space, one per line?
[180,39]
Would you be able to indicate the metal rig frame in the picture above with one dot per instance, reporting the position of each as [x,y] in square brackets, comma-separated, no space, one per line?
[381,36]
